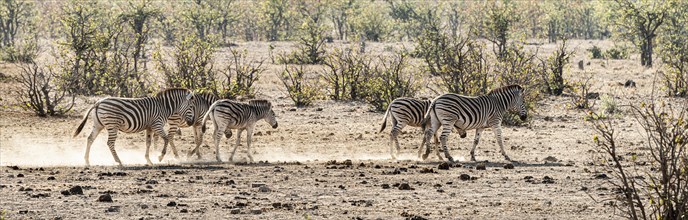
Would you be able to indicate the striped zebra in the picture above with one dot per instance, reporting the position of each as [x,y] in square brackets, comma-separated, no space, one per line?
[476,113]
[407,111]
[131,115]
[227,114]
[201,103]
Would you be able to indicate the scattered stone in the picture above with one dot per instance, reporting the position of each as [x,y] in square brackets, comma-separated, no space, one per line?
[547,118]
[629,83]
[318,109]
[256,185]
[40,195]
[593,95]
[508,166]
[20,175]
[385,186]
[152,182]
[143,206]
[172,203]
[237,211]
[377,166]
[443,166]
[76,190]
[547,180]
[230,182]
[427,170]
[14,167]
[551,159]
[348,162]
[113,209]
[23,211]
[465,177]
[276,205]
[480,166]
[256,211]
[105,198]
[179,172]
[601,176]
[405,186]
[22,189]
[51,178]
[199,177]
[264,189]
[184,211]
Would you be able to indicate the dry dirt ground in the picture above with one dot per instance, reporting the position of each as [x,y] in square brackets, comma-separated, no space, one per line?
[323,162]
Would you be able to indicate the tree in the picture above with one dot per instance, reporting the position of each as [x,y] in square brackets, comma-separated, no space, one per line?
[13,16]
[640,20]
[500,19]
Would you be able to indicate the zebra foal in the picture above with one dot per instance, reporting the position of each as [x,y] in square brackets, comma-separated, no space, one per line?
[466,113]
[200,105]
[407,111]
[131,115]
[227,114]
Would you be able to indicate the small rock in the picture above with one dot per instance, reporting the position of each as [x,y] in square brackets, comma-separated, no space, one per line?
[427,170]
[76,190]
[405,186]
[318,109]
[480,166]
[601,176]
[276,205]
[443,166]
[551,159]
[264,189]
[237,211]
[20,175]
[508,166]
[547,180]
[51,178]
[105,198]
[465,177]
[184,211]
[113,209]
[256,211]
[152,182]
[629,83]
[172,203]
[256,185]
[348,162]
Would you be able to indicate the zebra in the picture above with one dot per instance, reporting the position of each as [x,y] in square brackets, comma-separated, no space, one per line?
[227,114]
[407,111]
[476,113]
[201,103]
[131,115]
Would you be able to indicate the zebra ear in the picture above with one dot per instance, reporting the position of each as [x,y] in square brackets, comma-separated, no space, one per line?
[189,96]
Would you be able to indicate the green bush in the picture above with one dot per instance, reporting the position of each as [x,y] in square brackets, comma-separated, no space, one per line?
[596,52]
[617,53]
[311,40]
[43,92]
[25,51]
[390,80]
[193,65]
[240,76]
[346,72]
[301,89]
[553,75]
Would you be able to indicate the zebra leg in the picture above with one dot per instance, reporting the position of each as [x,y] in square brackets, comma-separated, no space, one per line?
[158,128]
[238,141]
[447,129]
[92,137]
[475,142]
[498,135]
[112,136]
[394,138]
[437,147]
[155,140]
[198,139]
[429,133]
[149,136]
[170,137]
[249,139]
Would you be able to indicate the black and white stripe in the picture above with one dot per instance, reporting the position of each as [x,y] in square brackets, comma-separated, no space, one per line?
[200,105]
[466,113]
[131,115]
[406,111]
[227,114]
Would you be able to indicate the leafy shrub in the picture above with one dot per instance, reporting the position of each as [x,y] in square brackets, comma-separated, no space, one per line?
[389,81]
[459,62]
[553,76]
[311,43]
[657,189]
[240,75]
[371,22]
[596,52]
[674,52]
[519,66]
[43,92]
[193,65]
[25,51]
[346,72]
[301,89]
[617,53]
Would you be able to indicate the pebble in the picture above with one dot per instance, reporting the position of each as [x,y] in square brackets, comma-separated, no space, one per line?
[443,166]
[264,188]
[508,166]
[480,166]
[105,198]
[465,177]
[234,211]
[172,203]
[405,186]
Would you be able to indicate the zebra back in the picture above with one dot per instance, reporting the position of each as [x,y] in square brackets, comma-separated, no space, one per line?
[480,111]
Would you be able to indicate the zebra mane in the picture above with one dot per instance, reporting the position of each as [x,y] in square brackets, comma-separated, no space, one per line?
[171,90]
[260,103]
[505,89]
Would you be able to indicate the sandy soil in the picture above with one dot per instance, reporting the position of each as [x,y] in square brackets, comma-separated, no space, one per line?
[323,162]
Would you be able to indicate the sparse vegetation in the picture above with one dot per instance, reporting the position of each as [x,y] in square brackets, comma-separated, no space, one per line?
[301,89]
[346,72]
[390,80]
[553,76]
[43,92]
[241,75]
[193,66]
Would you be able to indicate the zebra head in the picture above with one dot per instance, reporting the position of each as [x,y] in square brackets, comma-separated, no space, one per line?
[188,109]
[265,107]
[519,104]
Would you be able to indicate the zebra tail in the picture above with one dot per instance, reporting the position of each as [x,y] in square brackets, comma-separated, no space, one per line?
[426,119]
[83,121]
[205,117]
[384,120]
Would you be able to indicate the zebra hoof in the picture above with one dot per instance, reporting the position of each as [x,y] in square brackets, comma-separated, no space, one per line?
[160,158]
[472,158]
[507,158]
[451,160]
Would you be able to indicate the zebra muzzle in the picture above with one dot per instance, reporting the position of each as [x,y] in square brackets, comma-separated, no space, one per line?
[524,117]
[274,126]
